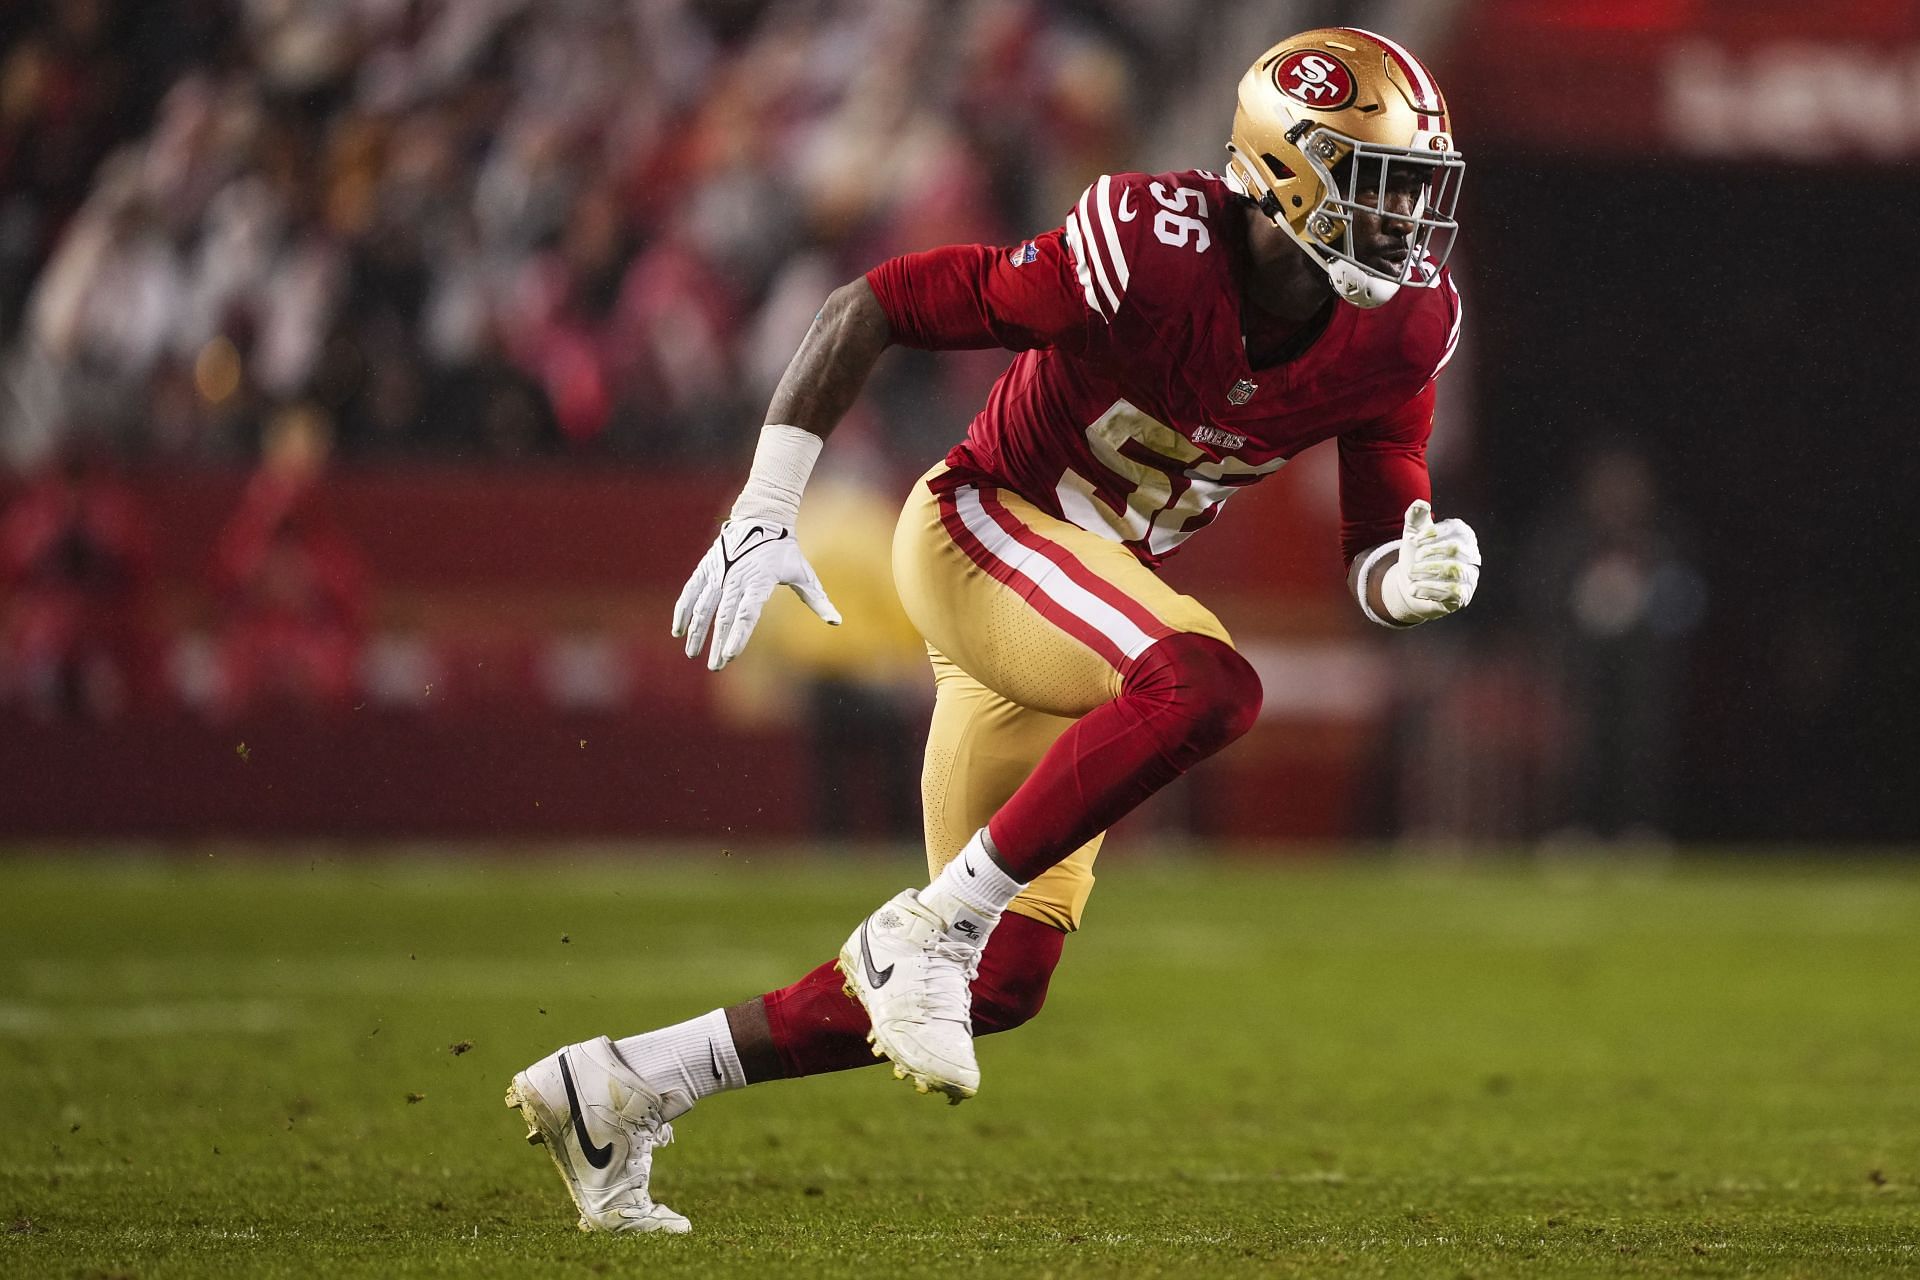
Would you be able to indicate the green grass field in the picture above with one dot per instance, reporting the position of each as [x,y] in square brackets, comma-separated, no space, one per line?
[222,1065]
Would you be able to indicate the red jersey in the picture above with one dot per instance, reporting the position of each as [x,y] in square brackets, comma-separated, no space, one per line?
[1133,410]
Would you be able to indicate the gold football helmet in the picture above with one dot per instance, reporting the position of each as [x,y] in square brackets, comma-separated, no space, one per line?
[1328,121]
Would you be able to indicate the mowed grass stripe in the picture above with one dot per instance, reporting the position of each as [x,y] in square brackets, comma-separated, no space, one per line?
[1350,1068]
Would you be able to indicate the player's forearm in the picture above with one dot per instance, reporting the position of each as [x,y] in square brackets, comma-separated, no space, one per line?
[756,551]
[834,359]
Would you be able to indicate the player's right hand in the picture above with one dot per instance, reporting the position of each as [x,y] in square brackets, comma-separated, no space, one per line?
[735,579]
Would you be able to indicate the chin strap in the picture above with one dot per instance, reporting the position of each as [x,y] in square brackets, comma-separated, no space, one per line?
[1361,288]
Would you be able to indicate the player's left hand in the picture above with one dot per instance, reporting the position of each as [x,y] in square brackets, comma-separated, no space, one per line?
[1438,570]
[733,583]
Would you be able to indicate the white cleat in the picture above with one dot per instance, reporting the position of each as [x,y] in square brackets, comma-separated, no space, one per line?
[913,979]
[600,1123]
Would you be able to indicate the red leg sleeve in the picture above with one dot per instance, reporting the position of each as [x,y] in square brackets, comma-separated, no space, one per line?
[1187,697]
[817,1027]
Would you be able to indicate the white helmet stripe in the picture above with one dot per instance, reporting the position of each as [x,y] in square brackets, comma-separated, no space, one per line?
[1424,88]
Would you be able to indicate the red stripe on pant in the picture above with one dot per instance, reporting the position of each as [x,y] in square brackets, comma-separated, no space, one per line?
[1028,589]
[1071,565]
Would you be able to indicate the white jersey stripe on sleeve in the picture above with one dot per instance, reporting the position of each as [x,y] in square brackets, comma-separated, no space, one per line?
[1079,252]
[1115,254]
[1453,335]
[1092,248]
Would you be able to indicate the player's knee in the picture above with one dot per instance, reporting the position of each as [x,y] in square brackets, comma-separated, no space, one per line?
[1217,691]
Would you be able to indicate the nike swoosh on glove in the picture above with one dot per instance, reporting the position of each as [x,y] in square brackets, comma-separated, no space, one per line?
[733,583]
[1438,570]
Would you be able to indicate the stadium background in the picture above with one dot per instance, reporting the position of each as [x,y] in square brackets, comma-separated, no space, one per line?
[374,372]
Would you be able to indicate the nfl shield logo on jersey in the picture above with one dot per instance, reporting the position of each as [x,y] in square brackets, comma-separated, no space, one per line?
[1242,391]
[1024,254]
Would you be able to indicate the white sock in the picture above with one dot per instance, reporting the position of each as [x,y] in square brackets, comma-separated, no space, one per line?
[970,892]
[697,1057]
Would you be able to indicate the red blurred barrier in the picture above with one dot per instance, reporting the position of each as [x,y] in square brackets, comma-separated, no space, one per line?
[520,680]
[525,773]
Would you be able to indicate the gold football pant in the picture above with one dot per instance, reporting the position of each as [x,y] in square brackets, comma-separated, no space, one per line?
[1031,622]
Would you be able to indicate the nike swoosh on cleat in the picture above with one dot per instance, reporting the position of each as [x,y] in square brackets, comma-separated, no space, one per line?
[875,977]
[969,867]
[598,1157]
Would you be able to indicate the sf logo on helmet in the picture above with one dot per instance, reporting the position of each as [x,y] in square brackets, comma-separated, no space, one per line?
[1320,80]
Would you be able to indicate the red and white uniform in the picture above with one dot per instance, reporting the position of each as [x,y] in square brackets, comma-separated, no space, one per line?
[1132,410]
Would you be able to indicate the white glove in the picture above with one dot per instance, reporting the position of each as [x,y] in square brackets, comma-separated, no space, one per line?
[733,583]
[1438,569]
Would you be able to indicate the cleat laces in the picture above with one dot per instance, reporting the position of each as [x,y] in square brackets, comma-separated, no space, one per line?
[651,1134]
[948,996]
[647,1135]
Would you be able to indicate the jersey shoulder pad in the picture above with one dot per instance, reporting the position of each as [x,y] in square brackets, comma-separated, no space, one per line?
[1140,236]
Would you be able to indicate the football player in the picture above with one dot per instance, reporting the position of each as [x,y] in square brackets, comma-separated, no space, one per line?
[1180,336]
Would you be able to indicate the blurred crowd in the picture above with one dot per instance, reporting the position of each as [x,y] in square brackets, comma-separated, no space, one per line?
[496,228]
[275,233]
